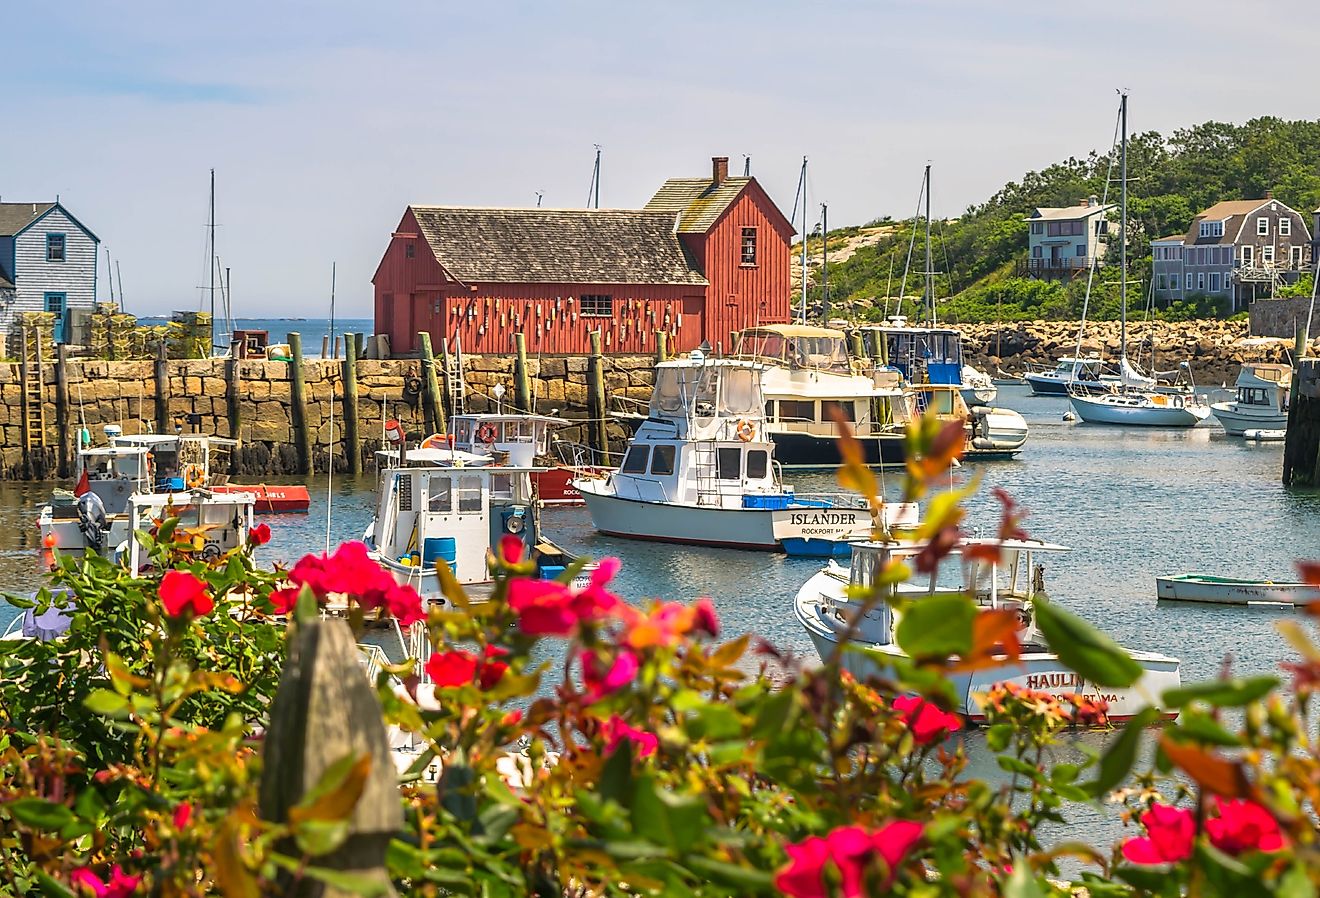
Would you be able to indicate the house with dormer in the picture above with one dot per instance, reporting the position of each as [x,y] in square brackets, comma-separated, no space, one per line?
[47,263]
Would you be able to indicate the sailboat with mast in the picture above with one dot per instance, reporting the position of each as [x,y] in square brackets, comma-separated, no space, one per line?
[1136,400]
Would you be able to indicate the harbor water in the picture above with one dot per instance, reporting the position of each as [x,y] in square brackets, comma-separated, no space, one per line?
[1131,503]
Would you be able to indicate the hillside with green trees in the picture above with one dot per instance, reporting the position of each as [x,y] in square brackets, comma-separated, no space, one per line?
[981,255]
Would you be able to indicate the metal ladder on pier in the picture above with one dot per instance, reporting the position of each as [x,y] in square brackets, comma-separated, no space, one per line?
[455,380]
[34,411]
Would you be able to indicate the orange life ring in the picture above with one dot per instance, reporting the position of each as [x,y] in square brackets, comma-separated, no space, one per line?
[435,441]
[746,430]
[487,433]
[194,476]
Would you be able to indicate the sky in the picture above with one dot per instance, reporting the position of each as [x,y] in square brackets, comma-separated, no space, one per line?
[323,120]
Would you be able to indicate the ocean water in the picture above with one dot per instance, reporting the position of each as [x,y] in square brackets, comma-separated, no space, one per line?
[313,330]
[1130,503]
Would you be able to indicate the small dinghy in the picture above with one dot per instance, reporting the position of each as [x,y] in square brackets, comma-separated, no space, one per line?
[1265,436]
[1233,591]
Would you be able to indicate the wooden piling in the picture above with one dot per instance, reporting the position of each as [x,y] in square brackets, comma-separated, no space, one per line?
[1301,448]
[233,392]
[596,400]
[162,390]
[435,412]
[325,346]
[857,346]
[661,346]
[302,434]
[62,407]
[353,447]
[522,383]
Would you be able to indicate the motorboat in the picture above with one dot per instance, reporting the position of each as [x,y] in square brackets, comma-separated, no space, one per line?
[1261,400]
[1070,373]
[218,523]
[1233,591]
[521,440]
[702,470]
[830,605]
[1265,436]
[810,383]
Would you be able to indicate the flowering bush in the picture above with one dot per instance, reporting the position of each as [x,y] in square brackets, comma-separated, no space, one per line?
[593,746]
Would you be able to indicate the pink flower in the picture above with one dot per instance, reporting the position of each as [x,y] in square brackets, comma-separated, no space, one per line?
[853,851]
[511,548]
[927,722]
[181,592]
[285,599]
[121,885]
[615,730]
[403,602]
[804,875]
[259,535]
[351,571]
[1169,835]
[1243,826]
[706,620]
[182,814]
[546,608]
[666,624]
[603,677]
[451,669]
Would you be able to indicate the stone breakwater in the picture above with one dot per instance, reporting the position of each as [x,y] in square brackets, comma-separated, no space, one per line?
[1215,349]
[199,396]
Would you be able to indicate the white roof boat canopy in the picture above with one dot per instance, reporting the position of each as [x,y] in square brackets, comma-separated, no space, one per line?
[114,451]
[160,439]
[796,345]
[483,417]
[436,458]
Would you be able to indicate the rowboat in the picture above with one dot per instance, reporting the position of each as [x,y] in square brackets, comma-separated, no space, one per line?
[1233,591]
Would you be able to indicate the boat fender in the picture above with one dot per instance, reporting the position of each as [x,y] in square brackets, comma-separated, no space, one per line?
[746,430]
[987,443]
[487,433]
[979,411]
[194,476]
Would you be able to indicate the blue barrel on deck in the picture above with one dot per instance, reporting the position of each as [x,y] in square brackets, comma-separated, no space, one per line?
[437,547]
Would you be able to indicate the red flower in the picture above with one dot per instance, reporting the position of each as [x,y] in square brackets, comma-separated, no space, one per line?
[259,535]
[511,548]
[616,730]
[927,722]
[350,571]
[1169,835]
[512,719]
[403,602]
[451,669]
[492,670]
[1243,826]
[121,885]
[853,851]
[603,677]
[182,814]
[706,620]
[285,599]
[543,607]
[181,592]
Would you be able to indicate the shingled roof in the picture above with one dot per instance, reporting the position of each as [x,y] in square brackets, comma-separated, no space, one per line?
[14,217]
[539,246]
[698,201]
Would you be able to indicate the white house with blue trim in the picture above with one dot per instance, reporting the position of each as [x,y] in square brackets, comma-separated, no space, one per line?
[47,263]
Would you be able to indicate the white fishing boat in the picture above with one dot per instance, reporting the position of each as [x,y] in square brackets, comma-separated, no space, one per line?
[808,380]
[1261,400]
[218,522]
[1233,591]
[521,440]
[828,607]
[701,470]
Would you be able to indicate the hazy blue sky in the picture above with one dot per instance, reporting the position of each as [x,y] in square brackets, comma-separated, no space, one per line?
[324,119]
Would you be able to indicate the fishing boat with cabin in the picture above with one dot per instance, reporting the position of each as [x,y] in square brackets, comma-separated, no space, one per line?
[830,608]
[1260,401]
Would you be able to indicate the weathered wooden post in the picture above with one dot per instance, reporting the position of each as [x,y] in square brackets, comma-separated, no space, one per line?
[596,399]
[162,389]
[857,346]
[661,346]
[522,384]
[62,406]
[325,711]
[1301,449]
[233,393]
[353,447]
[302,434]
[435,413]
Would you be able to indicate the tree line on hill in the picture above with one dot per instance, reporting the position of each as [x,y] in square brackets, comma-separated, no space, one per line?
[981,256]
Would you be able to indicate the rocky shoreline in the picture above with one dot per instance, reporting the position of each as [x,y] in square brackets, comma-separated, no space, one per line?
[1215,349]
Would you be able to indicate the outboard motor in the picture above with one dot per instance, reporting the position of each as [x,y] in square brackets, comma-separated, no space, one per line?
[92,520]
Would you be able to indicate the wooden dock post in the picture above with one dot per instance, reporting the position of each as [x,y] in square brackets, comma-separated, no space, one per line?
[302,438]
[353,447]
[162,390]
[522,383]
[62,407]
[233,393]
[435,412]
[596,400]
[661,346]
[1301,448]
[324,711]
[858,346]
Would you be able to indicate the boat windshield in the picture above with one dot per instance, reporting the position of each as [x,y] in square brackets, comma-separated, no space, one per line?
[824,351]
[707,390]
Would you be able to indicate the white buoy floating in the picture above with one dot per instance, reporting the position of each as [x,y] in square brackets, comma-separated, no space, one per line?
[1070,415]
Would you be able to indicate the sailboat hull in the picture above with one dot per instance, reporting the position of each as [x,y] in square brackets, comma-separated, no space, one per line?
[1123,411]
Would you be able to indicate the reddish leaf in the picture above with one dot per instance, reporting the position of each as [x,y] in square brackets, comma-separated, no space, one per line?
[1212,773]
[994,639]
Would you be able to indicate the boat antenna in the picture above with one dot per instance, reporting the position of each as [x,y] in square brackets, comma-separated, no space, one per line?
[912,245]
[1122,238]
[800,201]
[330,465]
[824,263]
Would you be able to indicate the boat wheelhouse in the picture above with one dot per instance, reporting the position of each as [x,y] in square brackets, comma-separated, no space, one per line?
[809,383]
[701,470]
[833,604]
[96,518]
[521,440]
[1088,373]
[932,355]
[1260,401]
[219,522]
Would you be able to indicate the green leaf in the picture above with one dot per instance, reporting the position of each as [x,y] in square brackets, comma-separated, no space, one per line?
[39,813]
[715,722]
[320,837]
[999,736]
[364,885]
[1152,880]
[1117,762]
[1295,883]
[107,703]
[1085,649]
[745,880]
[666,817]
[51,887]
[937,626]
[1201,727]
[1021,883]
[616,777]
[1232,693]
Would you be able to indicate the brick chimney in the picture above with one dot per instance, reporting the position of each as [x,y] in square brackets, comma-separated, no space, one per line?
[1269,194]
[719,169]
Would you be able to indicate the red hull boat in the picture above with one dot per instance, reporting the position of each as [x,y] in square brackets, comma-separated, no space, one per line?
[272,498]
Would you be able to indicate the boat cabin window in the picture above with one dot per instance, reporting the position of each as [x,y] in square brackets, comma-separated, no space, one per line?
[797,410]
[469,493]
[672,389]
[829,408]
[740,393]
[635,462]
[662,462]
[1252,396]
[439,495]
[758,463]
[865,564]
[463,431]
[728,463]
[501,486]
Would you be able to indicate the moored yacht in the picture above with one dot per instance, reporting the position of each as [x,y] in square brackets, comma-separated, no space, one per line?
[1070,373]
[828,607]
[701,470]
[1261,402]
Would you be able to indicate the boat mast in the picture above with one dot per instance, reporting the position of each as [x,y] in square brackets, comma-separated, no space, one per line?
[593,192]
[824,264]
[211,260]
[1122,236]
[803,189]
[930,290]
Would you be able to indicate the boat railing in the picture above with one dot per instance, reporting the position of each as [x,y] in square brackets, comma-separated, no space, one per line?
[579,457]
[831,500]
[635,482]
[629,406]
